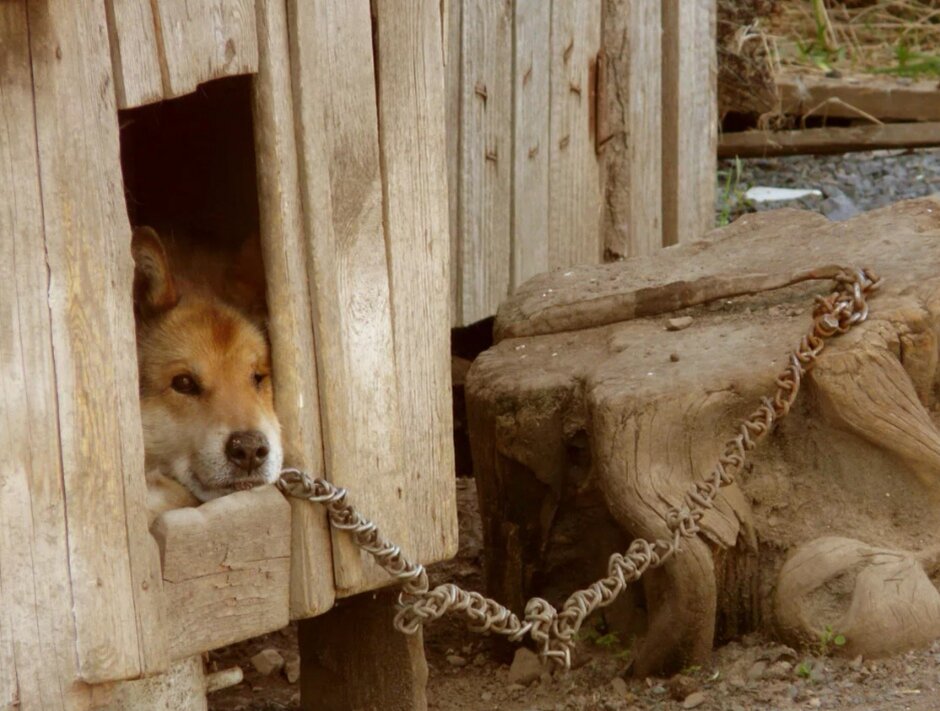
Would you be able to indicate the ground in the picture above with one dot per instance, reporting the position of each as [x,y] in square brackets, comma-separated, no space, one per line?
[747,674]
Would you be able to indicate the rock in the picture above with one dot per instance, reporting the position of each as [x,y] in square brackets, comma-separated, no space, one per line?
[674,357]
[292,668]
[479,660]
[681,685]
[526,667]
[679,323]
[838,206]
[515,688]
[267,661]
[455,660]
[757,670]
[486,696]
[619,686]
[694,699]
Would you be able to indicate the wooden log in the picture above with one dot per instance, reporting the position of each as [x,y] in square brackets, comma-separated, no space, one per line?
[831,139]
[226,570]
[296,396]
[575,197]
[630,139]
[112,561]
[353,658]
[341,188]
[135,56]
[484,223]
[690,118]
[885,98]
[532,23]
[413,151]
[205,40]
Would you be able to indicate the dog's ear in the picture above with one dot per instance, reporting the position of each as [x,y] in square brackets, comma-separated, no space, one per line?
[154,287]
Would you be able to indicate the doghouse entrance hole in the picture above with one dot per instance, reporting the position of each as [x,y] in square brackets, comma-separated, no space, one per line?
[189,166]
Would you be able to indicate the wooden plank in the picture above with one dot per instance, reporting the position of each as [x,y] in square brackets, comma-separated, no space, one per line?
[574,184]
[484,220]
[113,564]
[630,140]
[413,147]
[290,321]
[226,569]
[532,25]
[204,40]
[841,139]
[690,119]
[135,56]
[853,96]
[453,14]
[341,188]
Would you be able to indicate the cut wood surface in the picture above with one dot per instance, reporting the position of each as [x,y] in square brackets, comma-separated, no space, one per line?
[204,40]
[291,326]
[226,567]
[632,413]
[484,221]
[831,139]
[574,197]
[413,150]
[690,118]
[135,54]
[886,98]
[115,587]
[630,139]
[341,187]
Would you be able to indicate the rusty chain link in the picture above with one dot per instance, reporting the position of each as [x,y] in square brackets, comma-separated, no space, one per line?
[553,631]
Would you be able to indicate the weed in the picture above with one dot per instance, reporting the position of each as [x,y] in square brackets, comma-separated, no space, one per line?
[828,639]
[732,193]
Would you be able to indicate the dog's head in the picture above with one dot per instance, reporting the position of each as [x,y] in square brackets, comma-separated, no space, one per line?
[206,399]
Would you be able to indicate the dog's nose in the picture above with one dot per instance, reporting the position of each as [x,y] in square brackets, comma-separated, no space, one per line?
[247,450]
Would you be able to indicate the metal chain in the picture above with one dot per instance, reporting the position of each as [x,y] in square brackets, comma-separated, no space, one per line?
[553,631]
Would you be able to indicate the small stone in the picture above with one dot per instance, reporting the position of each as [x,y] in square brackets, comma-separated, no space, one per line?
[694,699]
[526,667]
[515,688]
[856,663]
[681,685]
[678,323]
[479,660]
[619,686]
[814,703]
[267,661]
[486,696]
[757,670]
[292,668]
[455,660]
[674,357]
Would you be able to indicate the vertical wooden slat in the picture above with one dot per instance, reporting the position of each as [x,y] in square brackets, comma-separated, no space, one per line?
[630,139]
[453,12]
[113,562]
[36,627]
[485,157]
[134,52]
[574,185]
[341,189]
[204,40]
[413,144]
[530,140]
[690,118]
[291,325]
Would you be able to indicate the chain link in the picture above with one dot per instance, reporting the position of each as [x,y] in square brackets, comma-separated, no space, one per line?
[554,632]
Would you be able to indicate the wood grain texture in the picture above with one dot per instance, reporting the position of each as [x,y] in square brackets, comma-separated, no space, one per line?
[203,40]
[334,104]
[631,141]
[135,55]
[831,139]
[291,325]
[532,22]
[690,118]
[575,196]
[226,569]
[115,587]
[452,19]
[484,222]
[413,147]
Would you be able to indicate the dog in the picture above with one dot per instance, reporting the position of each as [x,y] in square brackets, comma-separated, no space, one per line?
[206,398]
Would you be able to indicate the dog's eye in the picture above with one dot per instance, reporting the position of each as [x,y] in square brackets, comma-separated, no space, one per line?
[186,384]
[258,378]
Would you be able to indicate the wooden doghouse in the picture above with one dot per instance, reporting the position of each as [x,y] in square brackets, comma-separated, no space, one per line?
[346,110]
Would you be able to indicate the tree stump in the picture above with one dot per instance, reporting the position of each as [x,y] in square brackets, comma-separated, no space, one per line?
[589,420]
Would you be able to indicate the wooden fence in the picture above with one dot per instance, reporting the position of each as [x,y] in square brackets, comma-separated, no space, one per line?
[578,130]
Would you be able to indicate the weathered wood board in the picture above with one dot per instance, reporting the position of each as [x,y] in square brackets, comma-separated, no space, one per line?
[115,587]
[413,145]
[291,326]
[135,54]
[690,118]
[341,187]
[831,139]
[226,567]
